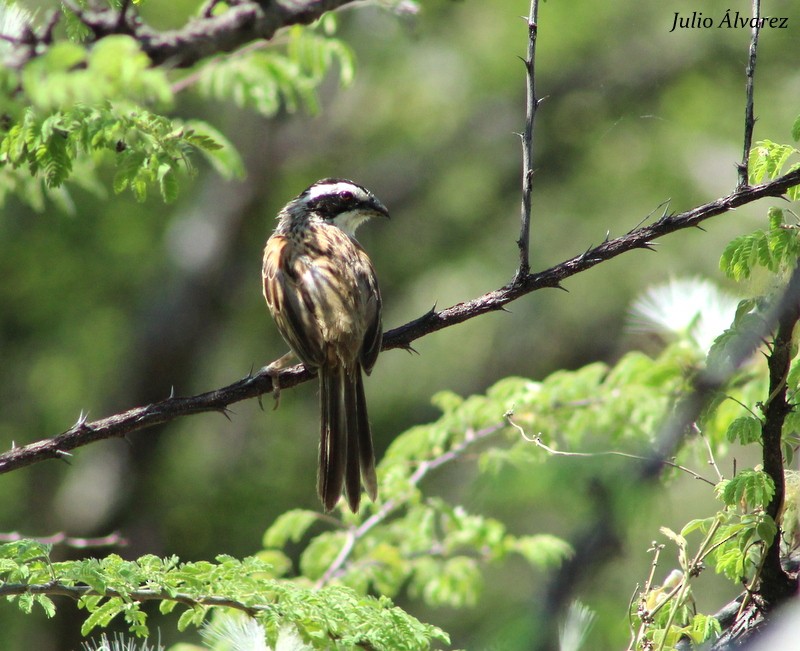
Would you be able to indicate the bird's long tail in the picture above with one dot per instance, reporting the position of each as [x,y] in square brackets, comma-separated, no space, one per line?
[346,455]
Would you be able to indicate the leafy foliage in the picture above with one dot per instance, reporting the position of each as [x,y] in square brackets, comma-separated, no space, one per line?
[72,102]
[424,545]
[768,159]
[265,79]
[113,587]
[736,538]
[775,249]
[76,103]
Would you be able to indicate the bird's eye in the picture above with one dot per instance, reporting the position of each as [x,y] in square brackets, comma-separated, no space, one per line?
[346,195]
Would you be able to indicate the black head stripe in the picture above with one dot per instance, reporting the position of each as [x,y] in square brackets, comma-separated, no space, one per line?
[328,206]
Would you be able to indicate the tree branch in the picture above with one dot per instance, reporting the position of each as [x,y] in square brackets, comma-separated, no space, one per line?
[749,118]
[84,432]
[775,585]
[201,37]
[58,589]
[532,103]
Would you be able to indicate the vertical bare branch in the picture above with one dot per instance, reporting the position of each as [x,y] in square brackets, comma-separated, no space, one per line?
[527,143]
[750,72]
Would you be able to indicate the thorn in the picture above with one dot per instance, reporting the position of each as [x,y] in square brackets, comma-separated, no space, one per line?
[225,412]
[410,349]
[503,308]
[260,402]
[607,237]
[171,392]
[430,312]
[63,455]
[561,287]
[697,226]
[80,424]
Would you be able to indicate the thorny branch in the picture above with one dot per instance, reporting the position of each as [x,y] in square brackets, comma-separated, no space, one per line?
[84,432]
[532,103]
[749,118]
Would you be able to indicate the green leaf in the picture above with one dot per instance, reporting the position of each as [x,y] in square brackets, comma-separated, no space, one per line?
[77,30]
[767,159]
[703,524]
[703,628]
[753,487]
[47,604]
[320,553]
[191,616]
[292,525]
[216,148]
[167,183]
[744,430]
[796,129]
[103,615]
[731,563]
[766,529]
[543,550]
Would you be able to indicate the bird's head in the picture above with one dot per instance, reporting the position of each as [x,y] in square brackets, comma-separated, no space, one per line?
[339,202]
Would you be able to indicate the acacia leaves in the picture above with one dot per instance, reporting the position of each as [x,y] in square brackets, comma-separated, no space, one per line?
[265,79]
[73,104]
[113,587]
[775,249]
[107,102]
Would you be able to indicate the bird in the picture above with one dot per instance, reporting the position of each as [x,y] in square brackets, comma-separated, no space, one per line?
[322,292]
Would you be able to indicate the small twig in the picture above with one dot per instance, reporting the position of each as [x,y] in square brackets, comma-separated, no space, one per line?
[644,622]
[744,406]
[711,460]
[537,440]
[749,118]
[532,104]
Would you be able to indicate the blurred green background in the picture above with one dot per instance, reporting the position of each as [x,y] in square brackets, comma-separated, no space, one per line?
[118,304]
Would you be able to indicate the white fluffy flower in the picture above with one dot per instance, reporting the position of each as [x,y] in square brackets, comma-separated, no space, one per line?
[684,308]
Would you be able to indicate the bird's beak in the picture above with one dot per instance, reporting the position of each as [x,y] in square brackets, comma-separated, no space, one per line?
[380,209]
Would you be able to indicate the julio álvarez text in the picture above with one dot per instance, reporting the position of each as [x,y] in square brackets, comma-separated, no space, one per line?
[730,20]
